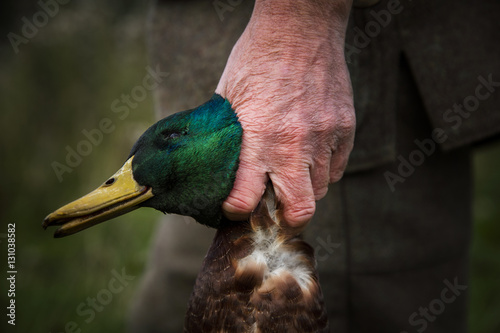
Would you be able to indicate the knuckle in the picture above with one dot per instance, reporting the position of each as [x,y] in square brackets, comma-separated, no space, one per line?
[320,193]
[336,175]
[347,121]
[300,216]
[238,205]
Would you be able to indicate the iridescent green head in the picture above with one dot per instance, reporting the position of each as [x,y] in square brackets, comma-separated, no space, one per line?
[189,160]
[183,164]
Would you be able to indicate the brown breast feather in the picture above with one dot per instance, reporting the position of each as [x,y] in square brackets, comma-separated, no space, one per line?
[256,277]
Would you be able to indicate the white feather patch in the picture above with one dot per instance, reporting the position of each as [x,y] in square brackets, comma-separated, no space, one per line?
[277,258]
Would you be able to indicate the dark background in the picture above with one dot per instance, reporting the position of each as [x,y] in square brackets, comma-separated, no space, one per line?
[62,82]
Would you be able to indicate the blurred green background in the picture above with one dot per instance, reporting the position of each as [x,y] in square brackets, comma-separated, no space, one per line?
[63,81]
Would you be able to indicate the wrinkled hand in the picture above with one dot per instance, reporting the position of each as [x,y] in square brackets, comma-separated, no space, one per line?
[288,82]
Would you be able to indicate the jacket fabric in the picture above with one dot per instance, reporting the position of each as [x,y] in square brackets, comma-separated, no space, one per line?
[453,51]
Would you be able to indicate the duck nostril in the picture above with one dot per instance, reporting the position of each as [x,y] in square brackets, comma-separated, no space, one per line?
[110,181]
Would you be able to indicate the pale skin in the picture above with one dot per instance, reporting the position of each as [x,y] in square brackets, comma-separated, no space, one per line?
[288,82]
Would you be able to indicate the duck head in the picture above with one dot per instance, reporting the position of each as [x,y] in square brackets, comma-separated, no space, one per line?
[183,164]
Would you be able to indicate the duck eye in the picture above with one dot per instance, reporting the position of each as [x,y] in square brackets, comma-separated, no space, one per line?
[168,135]
[173,136]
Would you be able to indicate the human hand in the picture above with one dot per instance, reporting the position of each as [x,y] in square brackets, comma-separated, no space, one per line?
[288,82]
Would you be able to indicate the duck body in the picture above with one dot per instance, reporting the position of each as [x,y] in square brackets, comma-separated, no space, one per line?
[257,276]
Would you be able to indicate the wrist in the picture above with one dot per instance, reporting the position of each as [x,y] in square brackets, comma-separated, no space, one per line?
[307,18]
[288,47]
[299,26]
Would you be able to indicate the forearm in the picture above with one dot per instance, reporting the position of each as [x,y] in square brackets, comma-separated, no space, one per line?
[300,22]
[289,42]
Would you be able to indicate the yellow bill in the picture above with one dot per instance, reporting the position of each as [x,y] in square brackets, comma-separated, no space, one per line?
[120,194]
